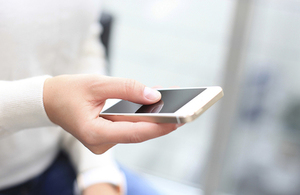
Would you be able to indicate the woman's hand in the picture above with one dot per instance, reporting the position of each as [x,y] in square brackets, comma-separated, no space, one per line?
[102,189]
[75,101]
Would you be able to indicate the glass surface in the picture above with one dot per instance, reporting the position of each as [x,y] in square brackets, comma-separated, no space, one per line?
[171,101]
[263,155]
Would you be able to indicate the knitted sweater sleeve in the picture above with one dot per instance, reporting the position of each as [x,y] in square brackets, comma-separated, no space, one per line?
[21,105]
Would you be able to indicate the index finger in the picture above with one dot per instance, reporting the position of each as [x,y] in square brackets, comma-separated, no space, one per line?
[127,89]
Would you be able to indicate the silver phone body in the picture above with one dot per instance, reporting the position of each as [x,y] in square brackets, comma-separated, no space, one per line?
[188,112]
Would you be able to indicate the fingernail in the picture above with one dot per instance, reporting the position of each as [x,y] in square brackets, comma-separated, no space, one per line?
[151,94]
[178,125]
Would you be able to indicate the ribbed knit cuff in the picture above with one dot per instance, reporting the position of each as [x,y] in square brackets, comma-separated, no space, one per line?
[21,105]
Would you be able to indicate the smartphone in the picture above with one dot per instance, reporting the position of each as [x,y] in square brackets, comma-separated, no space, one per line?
[177,105]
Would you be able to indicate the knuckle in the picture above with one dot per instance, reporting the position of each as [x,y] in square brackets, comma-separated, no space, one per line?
[135,138]
[129,86]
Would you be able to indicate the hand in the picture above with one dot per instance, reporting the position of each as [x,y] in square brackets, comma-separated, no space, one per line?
[75,101]
[102,189]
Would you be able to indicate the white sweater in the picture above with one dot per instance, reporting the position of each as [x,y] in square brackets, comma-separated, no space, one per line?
[40,38]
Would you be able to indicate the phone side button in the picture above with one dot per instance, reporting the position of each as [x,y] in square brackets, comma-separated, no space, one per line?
[178,120]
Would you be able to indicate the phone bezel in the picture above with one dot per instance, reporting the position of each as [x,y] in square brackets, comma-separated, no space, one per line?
[187,113]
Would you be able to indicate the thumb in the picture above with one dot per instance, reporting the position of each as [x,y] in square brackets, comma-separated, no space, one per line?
[129,89]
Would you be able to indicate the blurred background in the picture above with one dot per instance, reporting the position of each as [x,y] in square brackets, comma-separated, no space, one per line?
[249,142]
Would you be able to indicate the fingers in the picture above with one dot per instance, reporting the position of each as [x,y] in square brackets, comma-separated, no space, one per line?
[128,132]
[129,89]
[105,134]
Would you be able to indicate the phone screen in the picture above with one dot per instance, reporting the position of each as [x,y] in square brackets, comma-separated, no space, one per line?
[171,101]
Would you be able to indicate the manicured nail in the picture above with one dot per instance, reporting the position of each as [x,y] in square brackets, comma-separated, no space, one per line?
[179,125]
[151,94]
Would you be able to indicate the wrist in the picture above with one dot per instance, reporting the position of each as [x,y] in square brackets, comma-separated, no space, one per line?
[54,97]
[47,97]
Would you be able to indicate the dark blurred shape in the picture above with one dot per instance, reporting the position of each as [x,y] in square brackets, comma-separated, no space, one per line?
[292,115]
[106,21]
[259,94]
